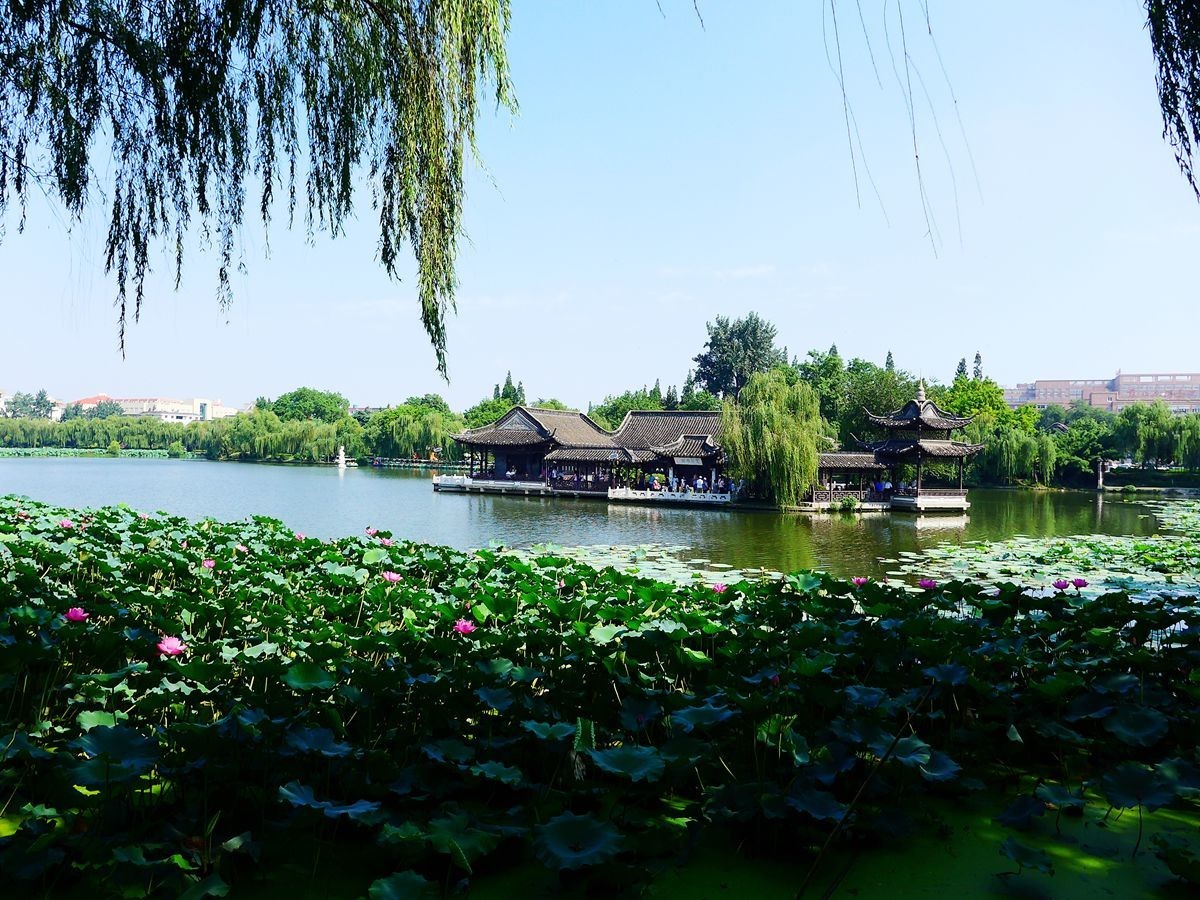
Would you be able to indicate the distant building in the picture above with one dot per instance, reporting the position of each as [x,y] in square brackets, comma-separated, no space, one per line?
[165,409]
[1181,392]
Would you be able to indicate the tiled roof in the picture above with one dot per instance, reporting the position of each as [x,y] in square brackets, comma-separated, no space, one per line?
[587,454]
[524,426]
[900,447]
[691,445]
[846,462]
[923,412]
[643,429]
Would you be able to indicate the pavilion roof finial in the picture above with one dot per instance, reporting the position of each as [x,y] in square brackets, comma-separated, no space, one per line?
[921,391]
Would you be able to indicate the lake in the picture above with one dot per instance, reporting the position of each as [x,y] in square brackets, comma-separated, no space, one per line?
[324,502]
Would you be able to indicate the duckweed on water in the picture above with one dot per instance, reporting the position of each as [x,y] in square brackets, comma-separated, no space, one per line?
[197,722]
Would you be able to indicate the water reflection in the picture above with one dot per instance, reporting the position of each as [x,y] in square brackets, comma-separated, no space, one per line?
[326,502]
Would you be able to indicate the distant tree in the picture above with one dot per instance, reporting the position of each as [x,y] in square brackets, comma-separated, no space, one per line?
[772,433]
[104,409]
[176,450]
[735,350]
[701,401]
[961,371]
[610,412]
[977,371]
[867,387]
[656,392]
[890,364]
[496,392]
[671,399]
[509,391]
[520,393]
[29,406]
[551,403]
[429,401]
[114,448]
[262,403]
[825,373]
[72,411]
[309,403]
[1188,431]
[486,411]
[689,388]
[967,397]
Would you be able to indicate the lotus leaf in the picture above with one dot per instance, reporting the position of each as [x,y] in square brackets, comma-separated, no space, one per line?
[569,841]
[1022,811]
[636,763]
[406,885]
[1026,857]
[1137,725]
[558,731]
[815,803]
[307,676]
[1132,784]
[703,716]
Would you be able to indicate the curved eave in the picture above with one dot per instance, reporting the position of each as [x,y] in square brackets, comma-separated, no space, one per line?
[926,414]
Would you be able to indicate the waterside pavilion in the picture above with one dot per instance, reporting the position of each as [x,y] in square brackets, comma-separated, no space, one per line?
[919,434]
[654,456]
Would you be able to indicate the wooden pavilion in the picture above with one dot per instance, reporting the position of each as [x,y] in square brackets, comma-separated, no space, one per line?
[545,451]
[919,433]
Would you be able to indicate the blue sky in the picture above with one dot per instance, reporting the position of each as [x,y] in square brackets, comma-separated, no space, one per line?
[660,173]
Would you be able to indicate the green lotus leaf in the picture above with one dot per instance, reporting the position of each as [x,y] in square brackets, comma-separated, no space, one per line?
[569,841]
[606,634]
[448,750]
[90,719]
[1014,735]
[558,731]
[1058,796]
[703,716]
[1137,725]
[317,740]
[636,763]
[210,886]
[407,885]
[498,699]
[116,753]
[1059,732]
[952,674]
[940,767]
[1132,784]
[816,803]
[462,841]
[1181,775]
[498,772]
[374,556]
[1180,855]
[243,843]
[1027,857]
[909,751]
[307,676]
[685,750]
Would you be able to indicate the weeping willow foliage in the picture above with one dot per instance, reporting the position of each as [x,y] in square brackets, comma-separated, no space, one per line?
[771,434]
[186,104]
[406,431]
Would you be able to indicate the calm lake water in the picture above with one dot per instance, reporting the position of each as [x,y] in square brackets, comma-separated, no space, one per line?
[323,502]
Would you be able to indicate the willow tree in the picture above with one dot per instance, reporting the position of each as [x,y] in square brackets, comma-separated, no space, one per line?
[771,434]
[172,112]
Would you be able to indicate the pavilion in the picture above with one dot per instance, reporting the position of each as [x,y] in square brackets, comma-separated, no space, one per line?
[651,456]
[919,434]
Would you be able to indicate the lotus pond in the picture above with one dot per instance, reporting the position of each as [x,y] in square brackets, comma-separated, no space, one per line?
[200,709]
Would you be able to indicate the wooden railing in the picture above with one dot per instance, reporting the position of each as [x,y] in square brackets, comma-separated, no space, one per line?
[931,492]
[821,495]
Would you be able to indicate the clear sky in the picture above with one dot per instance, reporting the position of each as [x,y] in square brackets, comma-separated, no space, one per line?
[660,173]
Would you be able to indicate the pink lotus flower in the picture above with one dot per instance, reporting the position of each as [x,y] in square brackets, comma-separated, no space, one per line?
[927,584]
[183,544]
[561,584]
[859,580]
[775,680]
[171,646]
[66,523]
[371,532]
[143,515]
[77,614]
[387,542]
[464,626]
[391,576]
[299,535]
[209,564]
[720,588]
[1061,584]
[1079,583]
[242,548]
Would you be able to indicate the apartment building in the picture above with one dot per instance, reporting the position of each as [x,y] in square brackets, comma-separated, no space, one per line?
[1180,391]
[165,409]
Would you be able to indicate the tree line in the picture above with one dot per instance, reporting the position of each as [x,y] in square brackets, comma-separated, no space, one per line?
[779,414]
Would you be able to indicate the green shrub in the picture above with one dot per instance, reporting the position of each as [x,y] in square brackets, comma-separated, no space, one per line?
[848,504]
[176,450]
[113,448]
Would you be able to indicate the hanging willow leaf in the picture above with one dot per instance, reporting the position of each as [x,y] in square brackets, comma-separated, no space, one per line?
[190,105]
